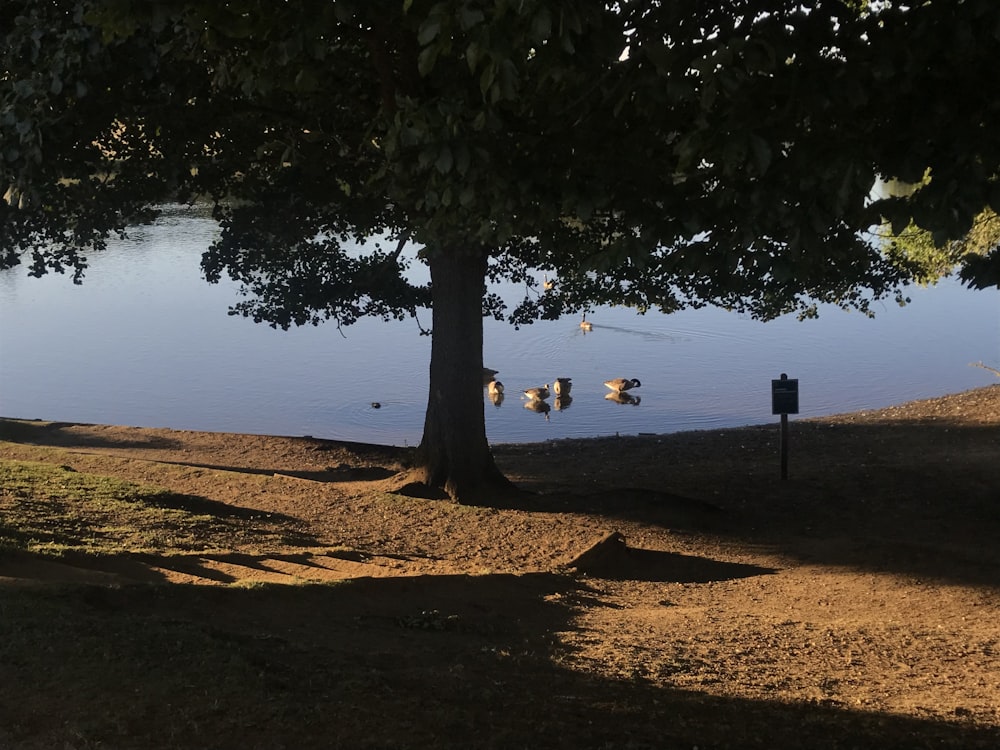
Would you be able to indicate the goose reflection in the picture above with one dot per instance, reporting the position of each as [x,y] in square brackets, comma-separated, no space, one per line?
[623,397]
[538,406]
[562,402]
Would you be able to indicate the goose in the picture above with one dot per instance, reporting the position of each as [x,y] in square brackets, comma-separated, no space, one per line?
[537,394]
[562,386]
[495,387]
[585,324]
[489,374]
[622,384]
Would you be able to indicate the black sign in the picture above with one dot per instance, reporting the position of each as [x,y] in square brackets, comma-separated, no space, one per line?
[785,395]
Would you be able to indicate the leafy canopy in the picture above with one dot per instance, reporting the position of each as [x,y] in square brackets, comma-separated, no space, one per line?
[653,154]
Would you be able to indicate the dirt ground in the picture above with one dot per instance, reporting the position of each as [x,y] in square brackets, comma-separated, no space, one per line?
[656,591]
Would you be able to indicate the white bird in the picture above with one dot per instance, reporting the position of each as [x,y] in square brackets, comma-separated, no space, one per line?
[562,386]
[495,388]
[622,384]
[585,324]
[536,394]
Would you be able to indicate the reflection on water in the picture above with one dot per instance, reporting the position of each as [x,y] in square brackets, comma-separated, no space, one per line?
[562,403]
[623,397]
[145,341]
[538,406]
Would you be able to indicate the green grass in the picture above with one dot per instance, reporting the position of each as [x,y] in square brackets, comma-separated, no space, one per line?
[55,509]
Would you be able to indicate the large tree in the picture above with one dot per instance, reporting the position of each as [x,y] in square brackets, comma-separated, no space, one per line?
[647,153]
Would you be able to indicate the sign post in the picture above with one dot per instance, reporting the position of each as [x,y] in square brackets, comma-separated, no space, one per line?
[784,401]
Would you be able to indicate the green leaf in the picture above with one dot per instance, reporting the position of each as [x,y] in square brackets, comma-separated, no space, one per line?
[508,80]
[541,25]
[473,56]
[994,197]
[429,30]
[463,158]
[306,81]
[445,160]
[487,77]
[761,153]
[469,17]
[344,11]
[658,54]
[427,59]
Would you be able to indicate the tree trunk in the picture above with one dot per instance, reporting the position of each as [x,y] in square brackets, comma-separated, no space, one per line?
[454,453]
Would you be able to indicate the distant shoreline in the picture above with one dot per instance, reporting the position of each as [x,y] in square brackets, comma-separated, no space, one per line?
[976,405]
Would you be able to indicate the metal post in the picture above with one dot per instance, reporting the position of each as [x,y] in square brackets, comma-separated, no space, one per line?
[784,401]
[784,446]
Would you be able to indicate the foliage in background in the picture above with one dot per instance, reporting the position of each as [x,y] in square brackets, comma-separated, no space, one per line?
[915,249]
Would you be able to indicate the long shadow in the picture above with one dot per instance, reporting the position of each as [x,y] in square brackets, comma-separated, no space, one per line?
[203,506]
[919,497]
[437,662]
[629,503]
[613,559]
[341,473]
[214,520]
[52,433]
[72,567]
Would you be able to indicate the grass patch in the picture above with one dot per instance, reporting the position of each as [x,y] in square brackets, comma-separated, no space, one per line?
[54,509]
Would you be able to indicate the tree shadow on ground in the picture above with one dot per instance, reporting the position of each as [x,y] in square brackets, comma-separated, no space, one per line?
[35,432]
[70,567]
[915,496]
[203,506]
[613,559]
[443,662]
[214,523]
[87,436]
[625,503]
[340,473]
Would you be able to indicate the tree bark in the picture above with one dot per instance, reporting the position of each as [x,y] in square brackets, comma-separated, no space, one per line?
[454,454]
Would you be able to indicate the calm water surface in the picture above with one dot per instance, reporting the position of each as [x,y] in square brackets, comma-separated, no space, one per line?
[145,341]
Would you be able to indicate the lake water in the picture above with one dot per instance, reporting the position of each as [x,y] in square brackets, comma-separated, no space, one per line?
[146,342]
